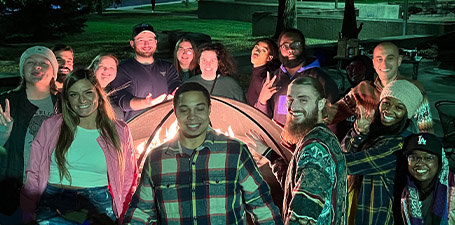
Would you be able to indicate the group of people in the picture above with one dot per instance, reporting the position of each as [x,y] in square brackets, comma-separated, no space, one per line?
[69,156]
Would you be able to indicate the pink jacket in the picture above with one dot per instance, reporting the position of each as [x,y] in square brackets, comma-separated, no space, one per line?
[122,187]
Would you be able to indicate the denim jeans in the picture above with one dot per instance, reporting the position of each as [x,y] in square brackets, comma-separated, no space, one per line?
[59,205]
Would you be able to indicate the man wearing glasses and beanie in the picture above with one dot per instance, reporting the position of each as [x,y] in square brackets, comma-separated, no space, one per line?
[143,81]
[272,99]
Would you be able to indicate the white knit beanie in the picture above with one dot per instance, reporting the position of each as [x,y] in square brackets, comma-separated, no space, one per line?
[39,50]
[406,92]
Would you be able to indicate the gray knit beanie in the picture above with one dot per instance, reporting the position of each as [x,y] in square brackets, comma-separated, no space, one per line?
[39,50]
[406,92]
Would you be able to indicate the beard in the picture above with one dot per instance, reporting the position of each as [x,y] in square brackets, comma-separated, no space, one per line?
[61,77]
[292,63]
[144,54]
[293,131]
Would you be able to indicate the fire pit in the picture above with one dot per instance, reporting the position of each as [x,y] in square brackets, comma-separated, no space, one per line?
[227,116]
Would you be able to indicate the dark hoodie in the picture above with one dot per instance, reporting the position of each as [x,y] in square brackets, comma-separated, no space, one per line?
[276,107]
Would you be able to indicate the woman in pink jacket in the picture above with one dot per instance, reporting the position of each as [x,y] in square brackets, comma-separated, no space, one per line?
[82,163]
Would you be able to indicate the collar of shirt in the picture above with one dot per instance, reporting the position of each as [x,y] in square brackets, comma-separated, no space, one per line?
[298,71]
[176,147]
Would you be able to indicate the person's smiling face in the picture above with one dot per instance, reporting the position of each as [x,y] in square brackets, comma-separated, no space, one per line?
[83,99]
[185,54]
[423,166]
[386,60]
[192,112]
[392,111]
[106,71]
[208,63]
[38,70]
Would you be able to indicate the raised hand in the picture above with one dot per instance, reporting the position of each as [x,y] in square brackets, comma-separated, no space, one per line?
[362,124]
[5,116]
[153,101]
[332,110]
[256,142]
[267,89]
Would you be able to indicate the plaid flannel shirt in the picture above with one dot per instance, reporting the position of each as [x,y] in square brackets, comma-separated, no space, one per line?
[215,185]
[377,165]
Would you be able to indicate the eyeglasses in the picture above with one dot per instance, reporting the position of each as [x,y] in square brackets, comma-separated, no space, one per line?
[424,159]
[294,46]
[187,51]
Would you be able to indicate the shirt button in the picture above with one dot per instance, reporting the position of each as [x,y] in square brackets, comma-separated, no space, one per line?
[194,218]
[194,163]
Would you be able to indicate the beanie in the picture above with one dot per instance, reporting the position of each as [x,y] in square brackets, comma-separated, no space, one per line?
[406,92]
[42,51]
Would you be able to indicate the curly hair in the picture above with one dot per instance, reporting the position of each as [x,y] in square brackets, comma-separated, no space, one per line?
[226,64]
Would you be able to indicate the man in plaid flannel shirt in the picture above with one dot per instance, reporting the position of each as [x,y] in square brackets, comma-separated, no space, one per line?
[200,176]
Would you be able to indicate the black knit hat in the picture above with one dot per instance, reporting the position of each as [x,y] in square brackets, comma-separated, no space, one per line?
[423,142]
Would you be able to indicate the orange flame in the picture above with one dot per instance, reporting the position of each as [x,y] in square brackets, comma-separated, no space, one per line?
[170,133]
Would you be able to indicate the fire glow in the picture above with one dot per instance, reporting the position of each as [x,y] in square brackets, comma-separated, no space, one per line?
[170,133]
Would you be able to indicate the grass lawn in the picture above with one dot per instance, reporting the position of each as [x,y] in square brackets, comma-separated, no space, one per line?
[111,32]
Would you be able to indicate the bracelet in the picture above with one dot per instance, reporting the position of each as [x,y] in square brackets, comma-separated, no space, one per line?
[267,151]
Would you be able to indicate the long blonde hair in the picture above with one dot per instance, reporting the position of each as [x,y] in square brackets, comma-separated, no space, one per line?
[105,121]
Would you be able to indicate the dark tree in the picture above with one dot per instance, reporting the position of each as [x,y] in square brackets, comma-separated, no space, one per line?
[31,20]
[99,7]
[287,16]
[349,29]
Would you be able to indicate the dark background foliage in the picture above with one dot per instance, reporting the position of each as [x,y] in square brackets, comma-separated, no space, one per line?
[38,20]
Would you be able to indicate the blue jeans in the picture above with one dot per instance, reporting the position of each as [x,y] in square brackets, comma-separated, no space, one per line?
[73,206]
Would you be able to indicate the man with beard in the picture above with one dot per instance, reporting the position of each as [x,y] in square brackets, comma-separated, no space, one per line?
[295,64]
[143,81]
[386,61]
[315,179]
[65,58]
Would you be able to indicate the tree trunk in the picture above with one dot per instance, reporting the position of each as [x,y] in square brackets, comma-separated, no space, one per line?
[99,7]
[287,16]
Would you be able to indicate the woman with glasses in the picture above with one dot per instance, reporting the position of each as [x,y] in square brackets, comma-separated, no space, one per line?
[428,195]
[370,152]
[185,58]
[82,163]
[264,58]
[217,68]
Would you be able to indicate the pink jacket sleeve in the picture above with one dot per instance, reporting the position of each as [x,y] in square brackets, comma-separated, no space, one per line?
[130,173]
